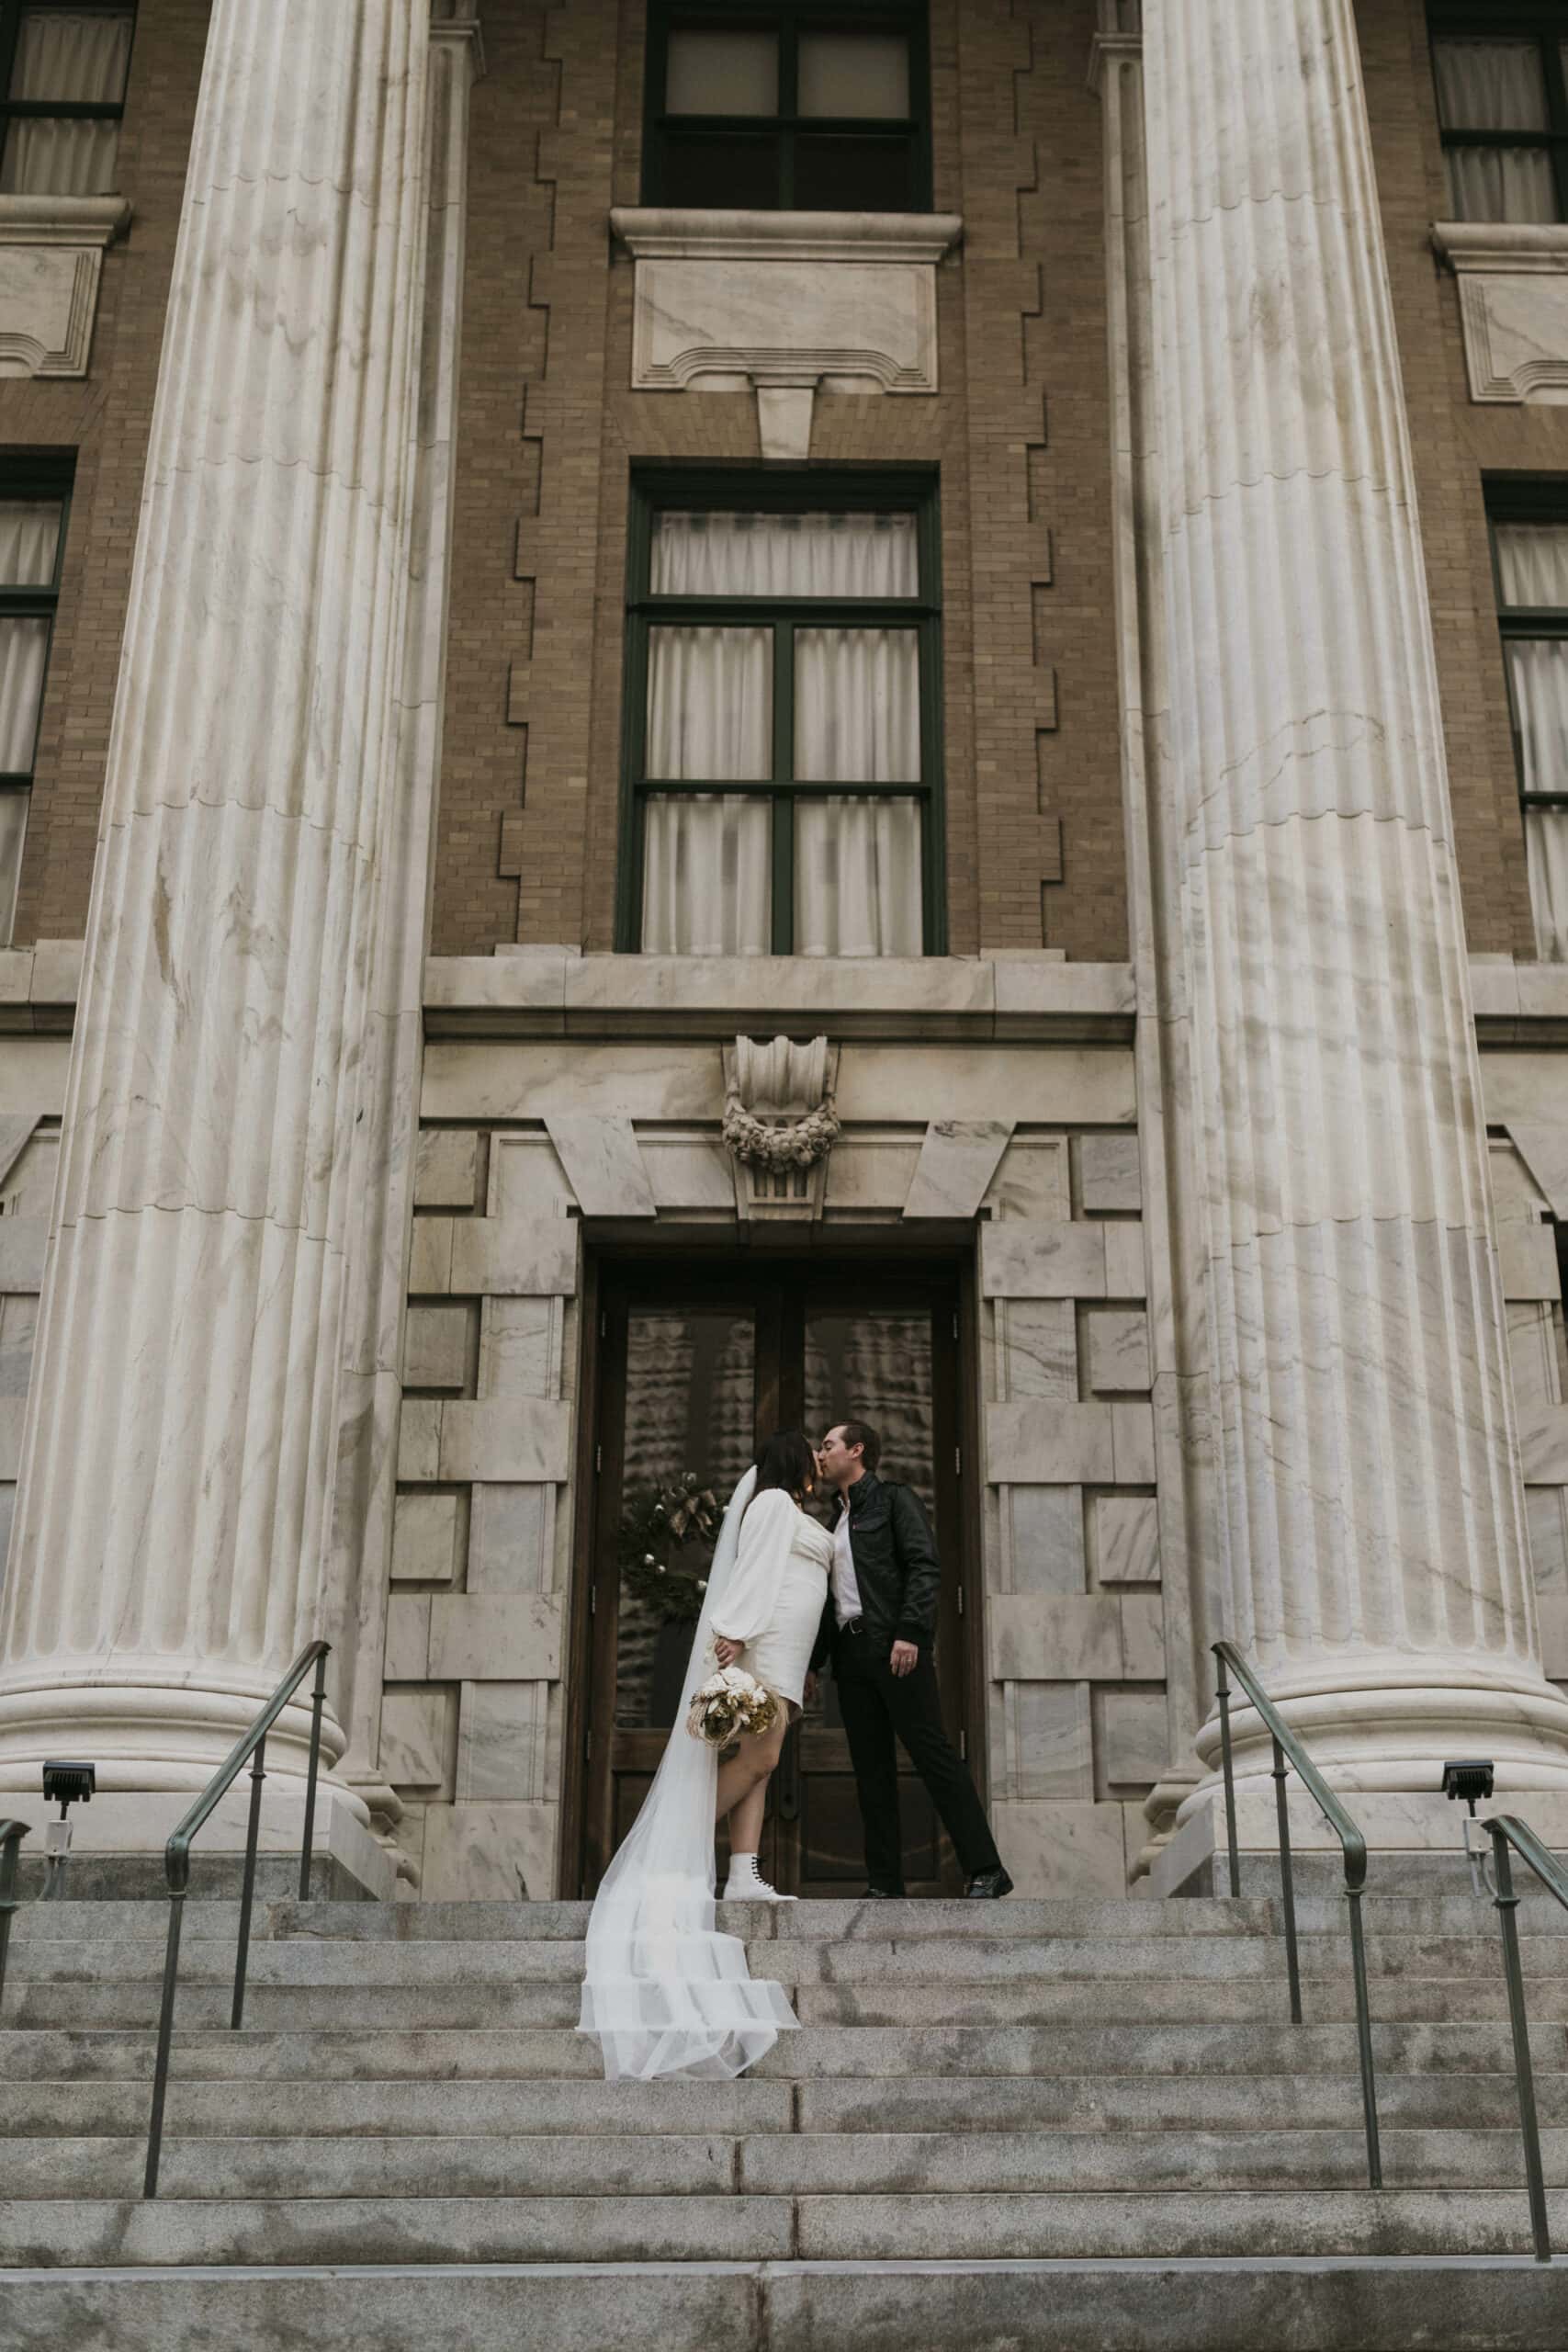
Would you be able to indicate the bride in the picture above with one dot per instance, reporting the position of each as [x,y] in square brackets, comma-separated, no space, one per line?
[664,1992]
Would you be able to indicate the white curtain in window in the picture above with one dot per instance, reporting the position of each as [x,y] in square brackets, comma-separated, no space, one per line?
[1495,85]
[13,827]
[784,555]
[706,875]
[1532,569]
[857,876]
[29,536]
[67,53]
[710,703]
[1532,563]
[706,863]
[721,73]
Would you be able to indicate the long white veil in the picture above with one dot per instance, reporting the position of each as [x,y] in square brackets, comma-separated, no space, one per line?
[663,1990]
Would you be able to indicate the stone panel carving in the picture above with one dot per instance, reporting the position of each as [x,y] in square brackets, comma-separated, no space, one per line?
[1513,300]
[784,302]
[51,256]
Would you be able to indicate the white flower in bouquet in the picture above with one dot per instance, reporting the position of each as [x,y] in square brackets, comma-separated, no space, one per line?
[727,1704]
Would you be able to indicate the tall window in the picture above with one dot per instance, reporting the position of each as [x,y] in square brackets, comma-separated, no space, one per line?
[1502,79]
[32,534]
[782,760]
[804,107]
[1529,540]
[62,69]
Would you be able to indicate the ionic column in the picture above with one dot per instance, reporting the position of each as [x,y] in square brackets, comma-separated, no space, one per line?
[1371,1547]
[173,1524]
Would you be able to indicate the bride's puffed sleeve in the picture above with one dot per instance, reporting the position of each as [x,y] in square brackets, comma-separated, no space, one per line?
[745,1608]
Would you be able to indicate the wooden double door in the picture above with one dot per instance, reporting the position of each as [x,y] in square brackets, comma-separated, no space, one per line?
[694,1371]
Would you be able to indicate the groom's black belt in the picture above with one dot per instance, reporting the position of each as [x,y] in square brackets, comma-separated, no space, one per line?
[852,1625]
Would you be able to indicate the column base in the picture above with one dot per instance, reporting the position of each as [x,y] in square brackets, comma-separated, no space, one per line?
[117,1851]
[1414,1843]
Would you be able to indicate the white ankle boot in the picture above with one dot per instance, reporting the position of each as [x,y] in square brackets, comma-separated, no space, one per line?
[744,1883]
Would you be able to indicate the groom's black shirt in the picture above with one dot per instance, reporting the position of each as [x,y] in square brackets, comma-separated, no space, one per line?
[895,1566]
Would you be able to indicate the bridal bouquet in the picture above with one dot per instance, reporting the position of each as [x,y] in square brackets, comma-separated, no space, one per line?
[728,1703]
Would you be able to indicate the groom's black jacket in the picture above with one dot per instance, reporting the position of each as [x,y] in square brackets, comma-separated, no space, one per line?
[895,1566]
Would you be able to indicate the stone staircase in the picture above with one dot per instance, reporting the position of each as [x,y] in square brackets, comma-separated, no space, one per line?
[1064,2124]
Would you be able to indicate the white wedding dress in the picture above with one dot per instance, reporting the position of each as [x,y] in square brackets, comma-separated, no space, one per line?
[663,1991]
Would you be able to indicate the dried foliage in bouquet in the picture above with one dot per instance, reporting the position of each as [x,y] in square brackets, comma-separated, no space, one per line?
[729,1703]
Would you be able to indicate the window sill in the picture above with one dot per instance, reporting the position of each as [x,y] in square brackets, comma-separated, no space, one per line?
[51,252]
[1515,325]
[661,232]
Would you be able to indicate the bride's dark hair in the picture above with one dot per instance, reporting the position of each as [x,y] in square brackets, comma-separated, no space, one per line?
[786,1461]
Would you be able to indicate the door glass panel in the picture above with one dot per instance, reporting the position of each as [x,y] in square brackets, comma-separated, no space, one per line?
[690,1385]
[875,1367]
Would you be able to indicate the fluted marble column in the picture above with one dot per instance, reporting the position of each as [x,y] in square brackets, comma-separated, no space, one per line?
[1373,1555]
[172,1526]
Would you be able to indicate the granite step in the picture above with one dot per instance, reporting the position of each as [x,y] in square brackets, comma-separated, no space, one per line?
[1180,2224]
[867,2163]
[1320,2304]
[1212,2049]
[1022,2001]
[1109,2103]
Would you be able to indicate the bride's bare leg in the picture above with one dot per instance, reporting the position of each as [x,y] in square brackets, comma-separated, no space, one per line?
[744,1782]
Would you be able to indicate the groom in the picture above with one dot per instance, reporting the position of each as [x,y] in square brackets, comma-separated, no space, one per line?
[879,1627]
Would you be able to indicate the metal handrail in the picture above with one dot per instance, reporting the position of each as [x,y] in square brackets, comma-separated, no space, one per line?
[1507,1830]
[11,1836]
[1288,1748]
[176,1865]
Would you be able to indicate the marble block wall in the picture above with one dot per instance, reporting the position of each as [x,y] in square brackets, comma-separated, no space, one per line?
[1073,1607]
[471,1715]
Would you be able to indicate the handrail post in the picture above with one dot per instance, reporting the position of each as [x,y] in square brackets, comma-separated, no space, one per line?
[248,1886]
[317,1699]
[1364,2040]
[10,1852]
[1287,1883]
[165,2033]
[1223,1694]
[1507,1903]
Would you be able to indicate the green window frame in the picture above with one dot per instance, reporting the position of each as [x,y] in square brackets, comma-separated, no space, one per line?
[1544,22]
[785,160]
[844,490]
[1529,498]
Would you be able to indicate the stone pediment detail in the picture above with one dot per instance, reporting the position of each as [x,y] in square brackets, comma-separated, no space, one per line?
[1513,298]
[784,303]
[51,253]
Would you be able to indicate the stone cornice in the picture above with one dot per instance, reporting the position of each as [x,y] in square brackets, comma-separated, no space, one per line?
[1529,247]
[553,992]
[663,233]
[63,220]
[1519,1004]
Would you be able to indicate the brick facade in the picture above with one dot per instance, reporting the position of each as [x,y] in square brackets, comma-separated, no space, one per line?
[548,432]
[105,419]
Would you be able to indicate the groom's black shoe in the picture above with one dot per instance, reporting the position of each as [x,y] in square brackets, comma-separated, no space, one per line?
[884,1894]
[986,1884]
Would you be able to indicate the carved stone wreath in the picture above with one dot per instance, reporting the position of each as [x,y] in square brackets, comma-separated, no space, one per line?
[795,1143]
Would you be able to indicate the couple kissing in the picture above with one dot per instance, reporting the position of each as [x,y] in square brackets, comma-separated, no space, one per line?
[664,1992]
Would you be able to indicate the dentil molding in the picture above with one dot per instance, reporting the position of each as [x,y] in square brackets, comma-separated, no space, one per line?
[787,304]
[1513,299]
[51,254]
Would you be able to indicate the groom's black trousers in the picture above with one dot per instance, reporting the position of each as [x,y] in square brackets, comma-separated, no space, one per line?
[877,1704]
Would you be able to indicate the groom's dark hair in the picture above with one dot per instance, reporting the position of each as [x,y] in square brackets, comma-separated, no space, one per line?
[860,1433]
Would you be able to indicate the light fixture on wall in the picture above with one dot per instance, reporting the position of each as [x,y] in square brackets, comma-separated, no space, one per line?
[66,1785]
[1469,1780]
